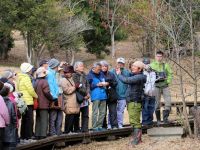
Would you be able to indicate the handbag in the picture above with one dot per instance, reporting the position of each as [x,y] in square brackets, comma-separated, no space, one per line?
[35,103]
[79,97]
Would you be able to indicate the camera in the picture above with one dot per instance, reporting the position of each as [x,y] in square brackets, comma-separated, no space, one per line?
[160,76]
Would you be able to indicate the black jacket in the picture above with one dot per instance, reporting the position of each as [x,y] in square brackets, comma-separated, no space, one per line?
[135,89]
[111,89]
[10,134]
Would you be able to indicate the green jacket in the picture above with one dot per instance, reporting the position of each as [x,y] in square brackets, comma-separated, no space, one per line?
[158,67]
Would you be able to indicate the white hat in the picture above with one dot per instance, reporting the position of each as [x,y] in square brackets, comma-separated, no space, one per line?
[41,72]
[121,60]
[26,67]
[139,64]
[11,89]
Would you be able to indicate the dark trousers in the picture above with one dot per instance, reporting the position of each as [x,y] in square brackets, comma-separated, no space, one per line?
[148,110]
[105,124]
[112,107]
[9,146]
[71,122]
[84,112]
[55,121]
[27,123]
[84,118]
[1,137]
[41,123]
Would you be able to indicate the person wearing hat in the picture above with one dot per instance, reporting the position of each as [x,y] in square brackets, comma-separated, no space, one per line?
[55,117]
[71,106]
[25,87]
[134,94]
[10,76]
[164,78]
[149,94]
[10,131]
[4,117]
[44,99]
[121,90]
[44,63]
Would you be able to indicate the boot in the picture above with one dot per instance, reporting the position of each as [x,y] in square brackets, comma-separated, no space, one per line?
[165,116]
[157,112]
[137,136]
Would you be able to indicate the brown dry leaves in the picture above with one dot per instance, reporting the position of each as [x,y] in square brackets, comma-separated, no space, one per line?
[147,144]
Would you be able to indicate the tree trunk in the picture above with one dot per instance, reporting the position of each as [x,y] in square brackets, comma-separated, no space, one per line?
[51,54]
[186,120]
[149,45]
[197,39]
[29,48]
[69,54]
[35,58]
[113,44]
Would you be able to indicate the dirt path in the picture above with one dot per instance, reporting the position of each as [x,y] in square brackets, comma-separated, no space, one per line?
[147,144]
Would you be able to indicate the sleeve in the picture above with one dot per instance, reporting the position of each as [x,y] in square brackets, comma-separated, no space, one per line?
[113,83]
[52,86]
[4,111]
[169,73]
[90,80]
[30,88]
[46,91]
[67,89]
[128,80]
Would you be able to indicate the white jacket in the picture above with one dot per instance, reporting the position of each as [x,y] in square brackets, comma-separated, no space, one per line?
[149,88]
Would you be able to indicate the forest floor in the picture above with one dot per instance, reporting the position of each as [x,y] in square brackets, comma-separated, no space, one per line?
[148,143]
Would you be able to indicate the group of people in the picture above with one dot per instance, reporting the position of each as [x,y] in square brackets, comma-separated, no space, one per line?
[56,87]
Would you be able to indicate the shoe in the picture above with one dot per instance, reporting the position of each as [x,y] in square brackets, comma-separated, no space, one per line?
[102,129]
[157,112]
[114,128]
[137,136]
[95,129]
[109,128]
[165,116]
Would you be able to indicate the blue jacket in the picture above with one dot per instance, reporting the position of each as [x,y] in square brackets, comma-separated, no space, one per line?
[97,93]
[121,87]
[53,85]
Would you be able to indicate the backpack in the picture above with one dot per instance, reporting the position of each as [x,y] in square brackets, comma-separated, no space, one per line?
[21,105]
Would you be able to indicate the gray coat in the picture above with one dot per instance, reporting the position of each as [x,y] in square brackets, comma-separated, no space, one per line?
[135,89]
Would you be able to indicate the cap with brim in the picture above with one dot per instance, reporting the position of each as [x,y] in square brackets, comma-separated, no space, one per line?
[68,69]
[53,63]
[139,64]
[41,72]
[7,74]
[42,62]
[121,60]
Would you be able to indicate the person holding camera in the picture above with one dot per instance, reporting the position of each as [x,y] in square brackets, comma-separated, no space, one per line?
[163,79]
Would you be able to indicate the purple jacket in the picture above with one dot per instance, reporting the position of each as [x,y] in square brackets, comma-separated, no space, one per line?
[4,115]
